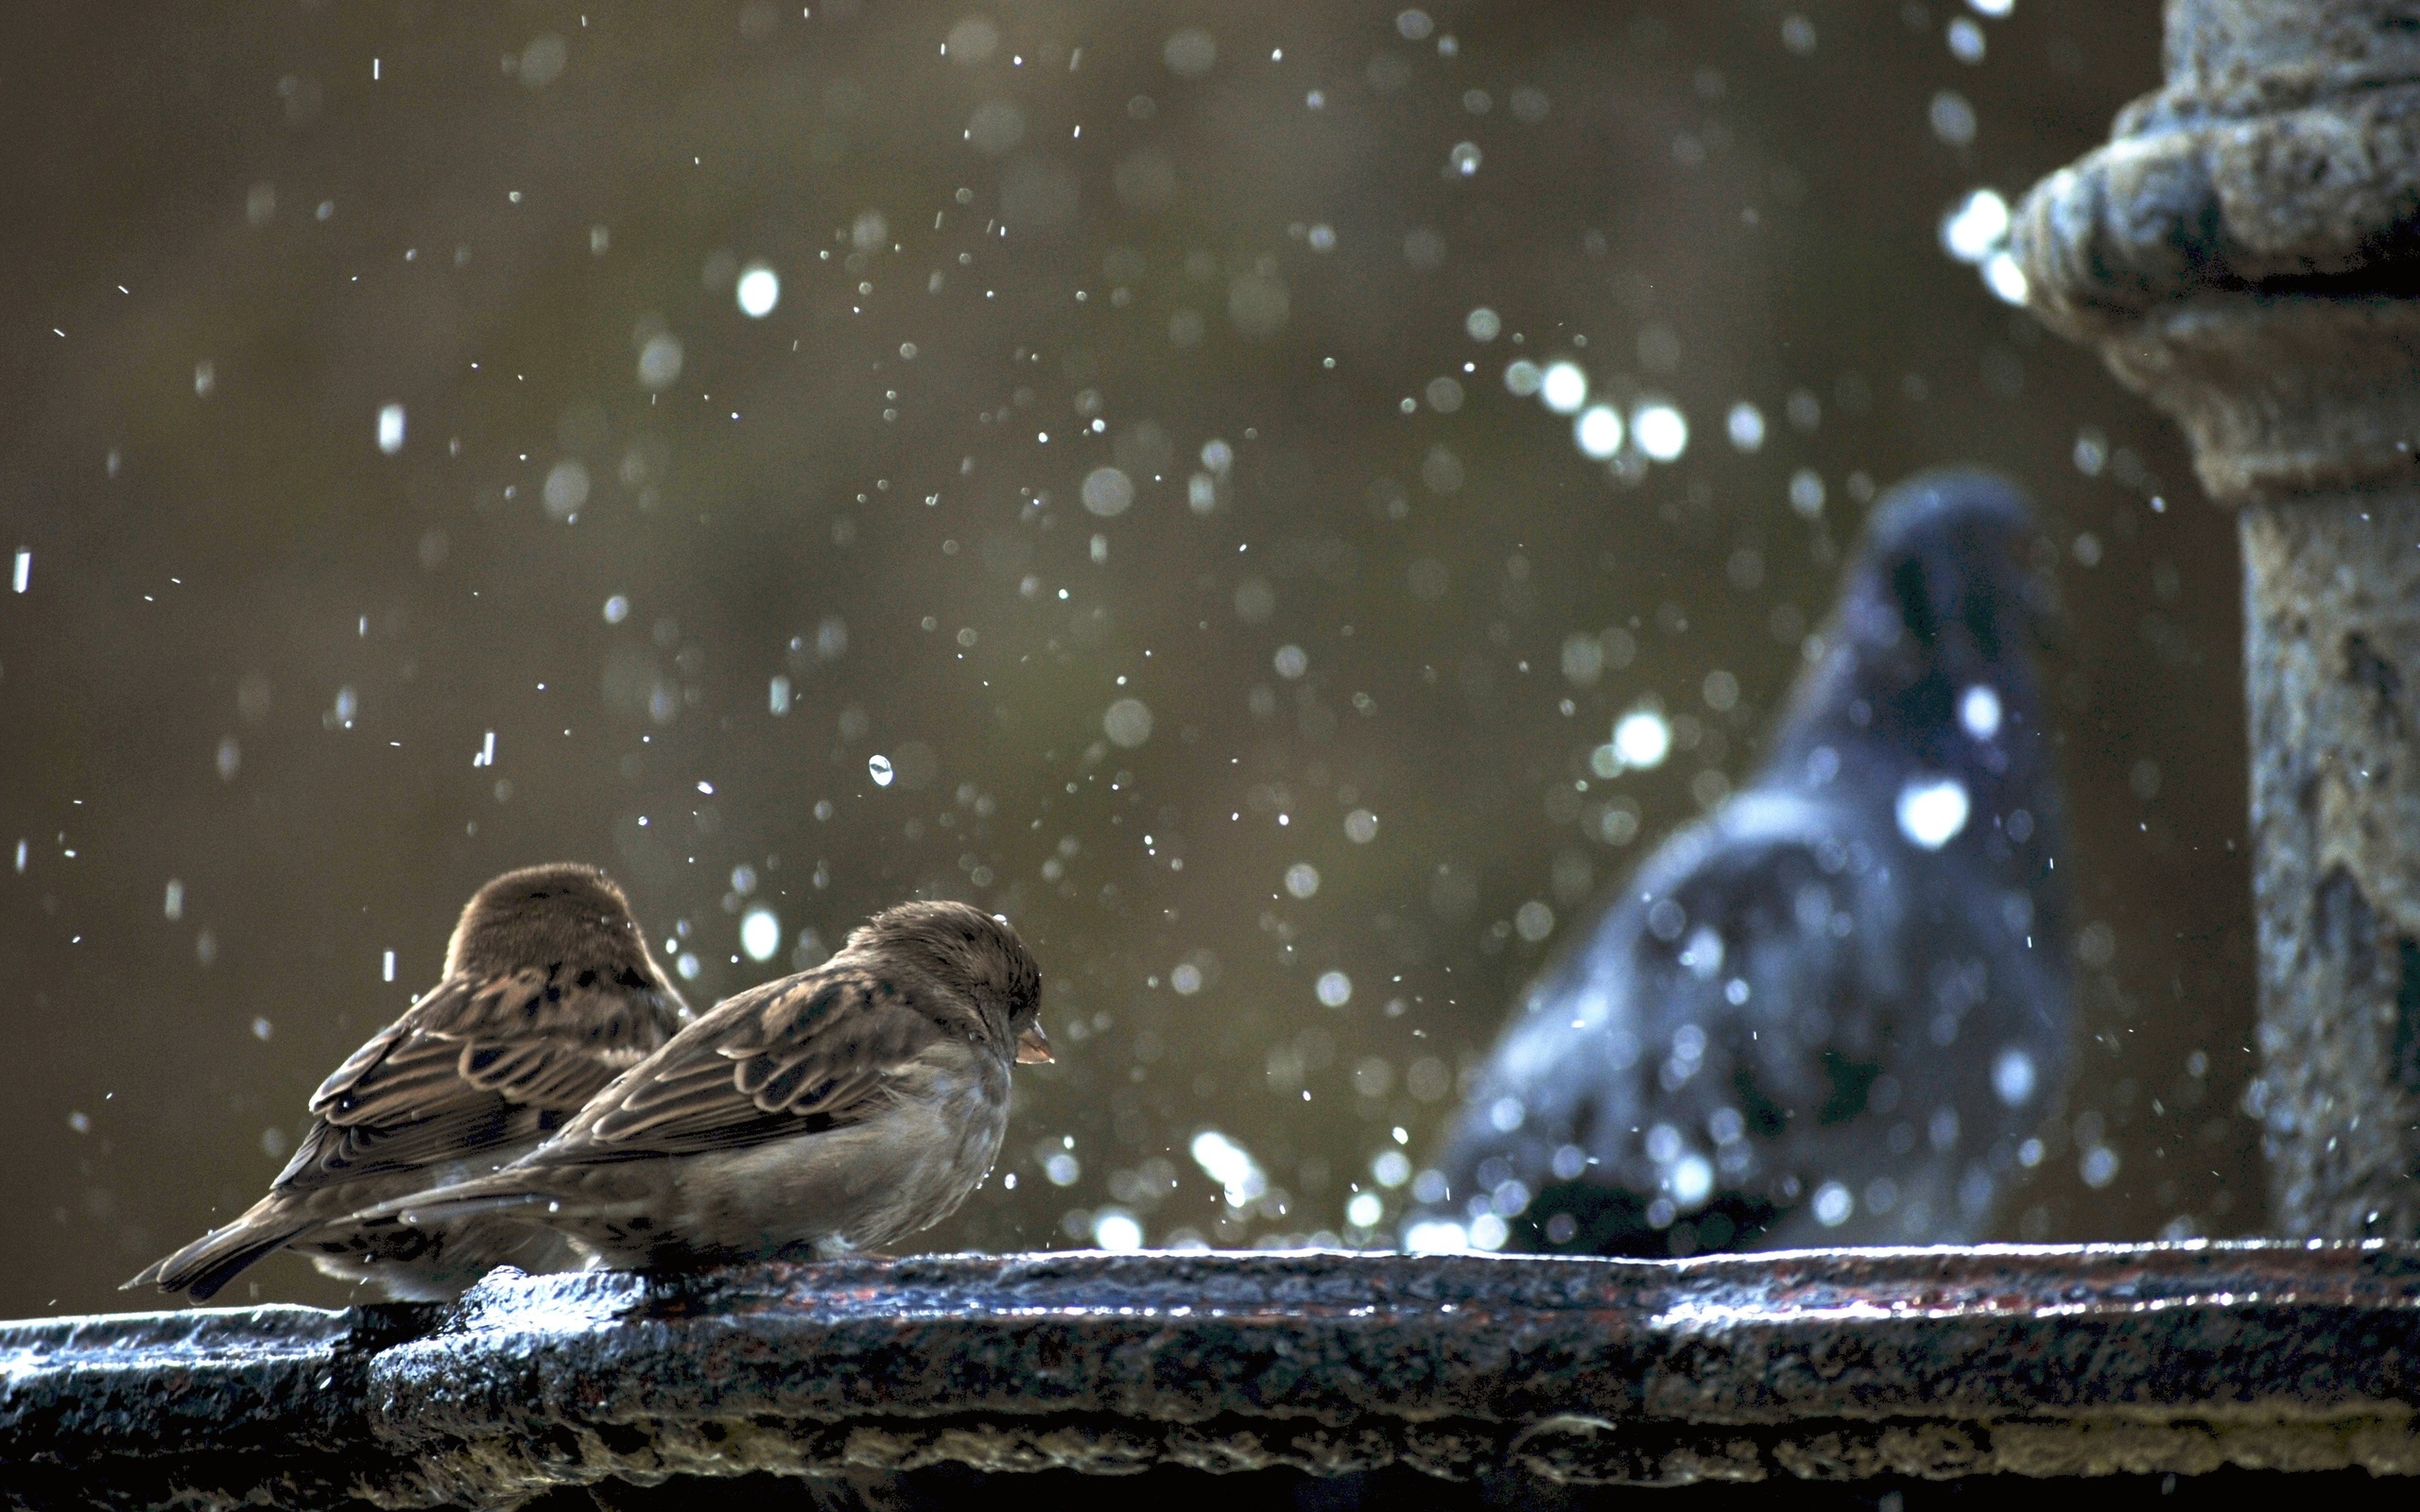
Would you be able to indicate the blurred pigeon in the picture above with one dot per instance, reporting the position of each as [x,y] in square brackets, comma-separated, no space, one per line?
[1829,1012]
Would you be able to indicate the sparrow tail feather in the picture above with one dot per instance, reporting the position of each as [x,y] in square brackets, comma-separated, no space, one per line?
[207,1264]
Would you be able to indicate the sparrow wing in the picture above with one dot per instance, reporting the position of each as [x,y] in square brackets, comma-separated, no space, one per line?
[795,1057]
[478,1062]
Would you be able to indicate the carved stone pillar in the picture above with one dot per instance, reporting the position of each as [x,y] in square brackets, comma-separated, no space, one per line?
[2246,252]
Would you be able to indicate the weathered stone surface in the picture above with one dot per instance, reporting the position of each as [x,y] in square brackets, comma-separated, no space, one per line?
[201,1408]
[2243,249]
[2246,252]
[2332,643]
[1828,1365]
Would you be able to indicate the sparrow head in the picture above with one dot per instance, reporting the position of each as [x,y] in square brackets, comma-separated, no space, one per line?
[969,953]
[1950,563]
[564,914]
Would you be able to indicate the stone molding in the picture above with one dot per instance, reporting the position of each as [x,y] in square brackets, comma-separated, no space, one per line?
[2246,249]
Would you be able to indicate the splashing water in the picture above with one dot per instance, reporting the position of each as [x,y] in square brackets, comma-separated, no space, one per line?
[1932,811]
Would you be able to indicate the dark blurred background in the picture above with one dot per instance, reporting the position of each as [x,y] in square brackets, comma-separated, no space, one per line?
[694,568]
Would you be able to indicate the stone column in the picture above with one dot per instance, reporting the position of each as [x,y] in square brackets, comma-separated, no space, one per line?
[2246,252]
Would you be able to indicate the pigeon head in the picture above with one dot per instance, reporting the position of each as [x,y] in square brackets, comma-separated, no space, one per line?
[563,912]
[1931,649]
[968,952]
[1948,555]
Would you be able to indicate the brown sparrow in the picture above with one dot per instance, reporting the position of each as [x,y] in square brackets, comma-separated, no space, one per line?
[826,1112]
[548,993]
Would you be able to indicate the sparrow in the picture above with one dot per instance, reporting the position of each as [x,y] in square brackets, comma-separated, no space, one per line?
[548,993]
[1831,1011]
[814,1116]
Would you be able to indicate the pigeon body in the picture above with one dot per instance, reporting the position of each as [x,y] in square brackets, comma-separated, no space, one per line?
[548,994]
[827,1112]
[1830,1012]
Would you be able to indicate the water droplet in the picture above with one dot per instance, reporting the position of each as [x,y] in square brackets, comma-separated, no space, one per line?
[1978,710]
[1932,811]
[1564,387]
[1190,53]
[2013,1076]
[543,60]
[760,934]
[1107,491]
[758,291]
[659,361]
[1953,118]
[1976,227]
[1642,739]
[567,488]
[2005,277]
[1663,432]
[1127,723]
[1599,432]
[1693,1181]
[879,767]
[2099,1166]
[1116,1231]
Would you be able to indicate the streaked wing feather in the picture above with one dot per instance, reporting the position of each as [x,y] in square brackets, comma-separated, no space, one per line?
[334,1153]
[792,1057]
[473,1065]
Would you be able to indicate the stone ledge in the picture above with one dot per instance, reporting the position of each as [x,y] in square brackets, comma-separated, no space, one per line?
[1828,1365]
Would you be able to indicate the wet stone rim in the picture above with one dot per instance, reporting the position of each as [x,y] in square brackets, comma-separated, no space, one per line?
[1832,1364]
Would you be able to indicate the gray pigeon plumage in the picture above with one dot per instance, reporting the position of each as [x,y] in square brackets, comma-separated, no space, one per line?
[1831,1011]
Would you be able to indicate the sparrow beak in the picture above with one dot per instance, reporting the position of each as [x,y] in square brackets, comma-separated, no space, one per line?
[1033,1046]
